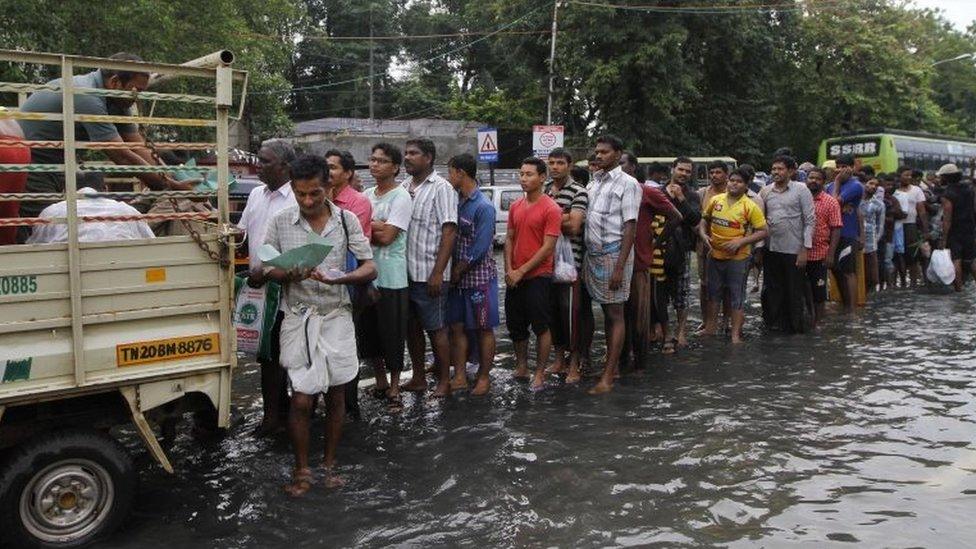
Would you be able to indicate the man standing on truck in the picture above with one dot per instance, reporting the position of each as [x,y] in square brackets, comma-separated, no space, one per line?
[86,104]
[262,204]
[318,341]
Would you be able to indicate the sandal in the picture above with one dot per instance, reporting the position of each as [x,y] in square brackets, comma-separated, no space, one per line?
[301,482]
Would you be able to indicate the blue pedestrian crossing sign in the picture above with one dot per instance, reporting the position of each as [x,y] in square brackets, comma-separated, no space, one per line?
[488,145]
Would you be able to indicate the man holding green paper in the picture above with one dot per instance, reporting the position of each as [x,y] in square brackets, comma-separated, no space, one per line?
[318,344]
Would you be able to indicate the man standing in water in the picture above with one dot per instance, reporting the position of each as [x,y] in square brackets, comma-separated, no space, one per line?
[572,314]
[318,343]
[912,202]
[789,215]
[826,235]
[958,223]
[430,242]
[473,303]
[534,224]
[384,324]
[848,191]
[727,222]
[262,204]
[611,226]
[718,177]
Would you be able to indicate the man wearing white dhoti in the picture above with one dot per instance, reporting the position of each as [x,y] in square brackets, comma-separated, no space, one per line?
[318,344]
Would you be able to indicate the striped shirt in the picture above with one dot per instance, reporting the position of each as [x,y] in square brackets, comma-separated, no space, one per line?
[435,204]
[476,233]
[614,198]
[571,196]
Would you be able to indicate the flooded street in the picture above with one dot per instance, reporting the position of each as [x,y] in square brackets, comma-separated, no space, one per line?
[863,433]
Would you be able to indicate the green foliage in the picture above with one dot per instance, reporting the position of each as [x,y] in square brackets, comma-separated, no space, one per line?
[737,81]
[173,31]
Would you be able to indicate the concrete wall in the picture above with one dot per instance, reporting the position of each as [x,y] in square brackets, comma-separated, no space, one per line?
[358,136]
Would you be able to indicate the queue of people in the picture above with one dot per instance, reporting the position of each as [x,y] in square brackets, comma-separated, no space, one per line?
[413,265]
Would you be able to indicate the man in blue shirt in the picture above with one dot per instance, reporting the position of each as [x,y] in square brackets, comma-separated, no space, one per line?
[848,191]
[472,305]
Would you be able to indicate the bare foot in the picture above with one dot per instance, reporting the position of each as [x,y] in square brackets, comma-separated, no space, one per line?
[521,372]
[573,376]
[736,340]
[601,388]
[415,386]
[538,382]
[459,383]
[558,367]
[301,482]
[682,340]
[332,480]
[707,332]
[482,386]
[443,390]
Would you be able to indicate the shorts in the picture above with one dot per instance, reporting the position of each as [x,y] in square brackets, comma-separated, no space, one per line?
[599,268]
[431,312]
[476,308]
[728,274]
[528,304]
[910,242]
[898,240]
[816,272]
[962,249]
[845,258]
[382,329]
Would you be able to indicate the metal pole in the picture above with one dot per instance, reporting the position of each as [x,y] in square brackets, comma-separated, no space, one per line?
[552,61]
[371,45]
[71,199]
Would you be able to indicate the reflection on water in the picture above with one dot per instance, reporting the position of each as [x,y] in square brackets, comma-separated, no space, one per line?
[861,434]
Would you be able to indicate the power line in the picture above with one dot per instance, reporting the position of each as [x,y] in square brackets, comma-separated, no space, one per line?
[711,9]
[422,62]
[427,36]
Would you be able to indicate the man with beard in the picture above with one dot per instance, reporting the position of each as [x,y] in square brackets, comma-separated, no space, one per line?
[682,239]
[826,235]
[430,243]
[87,104]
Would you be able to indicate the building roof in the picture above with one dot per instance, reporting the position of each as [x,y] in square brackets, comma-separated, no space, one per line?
[429,127]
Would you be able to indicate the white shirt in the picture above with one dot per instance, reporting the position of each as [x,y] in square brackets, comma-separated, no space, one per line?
[91,231]
[614,200]
[908,200]
[262,205]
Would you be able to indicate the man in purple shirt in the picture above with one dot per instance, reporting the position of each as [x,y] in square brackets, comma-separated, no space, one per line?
[473,302]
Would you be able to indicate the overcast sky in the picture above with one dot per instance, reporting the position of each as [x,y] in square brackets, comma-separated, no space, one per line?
[960,12]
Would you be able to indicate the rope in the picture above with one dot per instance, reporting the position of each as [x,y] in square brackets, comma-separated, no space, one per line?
[106,145]
[109,119]
[23,221]
[57,197]
[99,168]
[15,87]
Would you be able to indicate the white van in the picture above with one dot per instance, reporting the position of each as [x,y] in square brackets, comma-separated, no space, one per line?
[502,197]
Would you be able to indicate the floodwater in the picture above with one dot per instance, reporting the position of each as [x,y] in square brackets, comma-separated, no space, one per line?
[861,434]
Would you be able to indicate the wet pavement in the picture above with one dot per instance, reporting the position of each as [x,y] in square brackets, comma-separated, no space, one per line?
[861,434]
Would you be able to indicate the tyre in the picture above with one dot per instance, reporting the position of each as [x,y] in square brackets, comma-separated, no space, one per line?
[65,489]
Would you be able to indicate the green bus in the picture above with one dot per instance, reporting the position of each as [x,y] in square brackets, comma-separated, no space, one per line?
[885,150]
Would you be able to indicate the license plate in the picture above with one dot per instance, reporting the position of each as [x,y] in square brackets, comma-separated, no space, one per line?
[144,352]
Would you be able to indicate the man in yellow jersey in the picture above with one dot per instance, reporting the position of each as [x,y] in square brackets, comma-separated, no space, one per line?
[724,229]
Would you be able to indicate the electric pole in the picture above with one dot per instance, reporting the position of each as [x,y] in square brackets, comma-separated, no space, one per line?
[371,45]
[552,61]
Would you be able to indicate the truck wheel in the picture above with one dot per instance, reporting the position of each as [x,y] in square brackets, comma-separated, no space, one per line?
[65,489]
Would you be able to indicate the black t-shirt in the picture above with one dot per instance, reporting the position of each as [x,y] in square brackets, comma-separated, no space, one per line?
[963,216]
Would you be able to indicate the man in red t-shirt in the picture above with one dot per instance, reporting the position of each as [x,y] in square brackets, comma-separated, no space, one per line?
[639,307]
[826,234]
[534,224]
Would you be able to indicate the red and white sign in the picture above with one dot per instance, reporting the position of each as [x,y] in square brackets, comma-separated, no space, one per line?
[545,139]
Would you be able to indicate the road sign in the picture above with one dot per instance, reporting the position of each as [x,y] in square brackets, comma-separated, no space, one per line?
[545,139]
[488,145]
